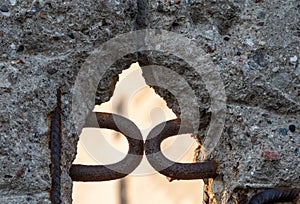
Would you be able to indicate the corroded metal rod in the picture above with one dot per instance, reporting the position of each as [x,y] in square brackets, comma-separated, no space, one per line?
[275,195]
[55,147]
[169,168]
[117,170]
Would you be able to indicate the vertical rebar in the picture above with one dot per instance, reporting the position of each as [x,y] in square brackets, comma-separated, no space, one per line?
[55,147]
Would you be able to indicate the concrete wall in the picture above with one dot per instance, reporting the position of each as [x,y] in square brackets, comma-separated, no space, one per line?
[253,45]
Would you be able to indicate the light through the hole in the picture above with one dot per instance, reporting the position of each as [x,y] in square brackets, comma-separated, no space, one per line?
[171,145]
[109,146]
[135,100]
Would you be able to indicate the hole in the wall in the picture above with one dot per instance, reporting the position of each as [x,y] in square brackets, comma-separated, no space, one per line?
[102,146]
[171,145]
[135,100]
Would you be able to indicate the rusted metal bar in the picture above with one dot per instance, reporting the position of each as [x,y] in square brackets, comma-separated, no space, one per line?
[55,148]
[275,195]
[169,168]
[117,170]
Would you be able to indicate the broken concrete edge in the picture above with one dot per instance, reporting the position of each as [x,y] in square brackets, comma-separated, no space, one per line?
[253,45]
[124,65]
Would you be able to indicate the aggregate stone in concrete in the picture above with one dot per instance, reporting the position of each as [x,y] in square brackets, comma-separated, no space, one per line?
[253,44]
[43,44]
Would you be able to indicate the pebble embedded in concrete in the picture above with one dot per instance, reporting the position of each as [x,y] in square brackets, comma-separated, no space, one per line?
[4,8]
[54,38]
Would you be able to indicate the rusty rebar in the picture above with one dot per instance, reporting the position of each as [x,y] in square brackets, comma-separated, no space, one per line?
[275,195]
[55,148]
[117,170]
[169,168]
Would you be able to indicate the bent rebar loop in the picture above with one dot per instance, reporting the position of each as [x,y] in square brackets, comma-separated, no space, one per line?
[171,169]
[117,170]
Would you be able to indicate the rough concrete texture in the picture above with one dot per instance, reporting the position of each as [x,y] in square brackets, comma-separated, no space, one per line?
[254,45]
[43,44]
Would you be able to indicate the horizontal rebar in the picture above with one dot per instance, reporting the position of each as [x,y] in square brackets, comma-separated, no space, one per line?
[275,195]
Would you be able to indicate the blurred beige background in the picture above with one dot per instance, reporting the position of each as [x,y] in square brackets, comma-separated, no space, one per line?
[135,100]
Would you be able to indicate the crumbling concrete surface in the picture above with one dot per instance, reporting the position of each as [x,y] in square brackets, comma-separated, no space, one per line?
[253,45]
